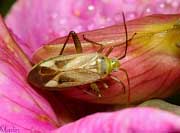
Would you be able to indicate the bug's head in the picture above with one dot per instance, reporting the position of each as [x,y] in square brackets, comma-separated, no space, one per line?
[114,65]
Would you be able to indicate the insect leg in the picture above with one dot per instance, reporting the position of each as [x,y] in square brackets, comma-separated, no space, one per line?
[109,51]
[129,90]
[123,85]
[95,88]
[125,27]
[126,42]
[90,41]
[89,93]
[112,47]
[105,85]
[119,81]
[76,41]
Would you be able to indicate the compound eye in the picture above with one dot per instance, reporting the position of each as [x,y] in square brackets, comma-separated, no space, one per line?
[102,57]
[114,61]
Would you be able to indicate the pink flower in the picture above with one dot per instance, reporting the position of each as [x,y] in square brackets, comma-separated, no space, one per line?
[24,109]
[151,62]
[129,120]
[37,22]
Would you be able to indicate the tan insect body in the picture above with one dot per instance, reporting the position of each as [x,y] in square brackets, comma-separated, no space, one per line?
[64,71]
[76,70]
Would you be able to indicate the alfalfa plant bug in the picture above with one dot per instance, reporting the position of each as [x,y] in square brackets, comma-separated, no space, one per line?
[64,71]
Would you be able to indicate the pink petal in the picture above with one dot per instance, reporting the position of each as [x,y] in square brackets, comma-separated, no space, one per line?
[152,61]
[128,120]
[41,24]
[21,107]
[48,20]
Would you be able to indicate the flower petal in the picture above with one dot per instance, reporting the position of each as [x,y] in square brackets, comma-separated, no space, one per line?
[48,20]
[152,61]
[128,120]
[21,106]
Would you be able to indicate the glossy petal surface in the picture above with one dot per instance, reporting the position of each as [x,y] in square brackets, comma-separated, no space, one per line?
[152,63]
[128,120]
[21,107]
[38,22]
[152,60]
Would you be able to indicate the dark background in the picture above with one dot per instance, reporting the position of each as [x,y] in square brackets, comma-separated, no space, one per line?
[5,6]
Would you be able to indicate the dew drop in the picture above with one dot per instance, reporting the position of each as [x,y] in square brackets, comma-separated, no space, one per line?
[162,5]
[91,7]
[148,10]
[83,9]
[131,15]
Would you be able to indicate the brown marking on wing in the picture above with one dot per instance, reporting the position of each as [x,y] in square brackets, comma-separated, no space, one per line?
[61,63]
[63,79]
[76,77]
[40,75]
[46,71]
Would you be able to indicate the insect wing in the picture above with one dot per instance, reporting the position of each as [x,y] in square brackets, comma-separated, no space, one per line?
[59,80]
[65,71]
[74,78]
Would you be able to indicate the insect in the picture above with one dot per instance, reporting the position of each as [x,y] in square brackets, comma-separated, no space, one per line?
[64,71]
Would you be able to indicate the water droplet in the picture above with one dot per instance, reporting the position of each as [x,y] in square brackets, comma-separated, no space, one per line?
[131,15]
[91,7]
[83,9]
[148,10]
[162,5]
